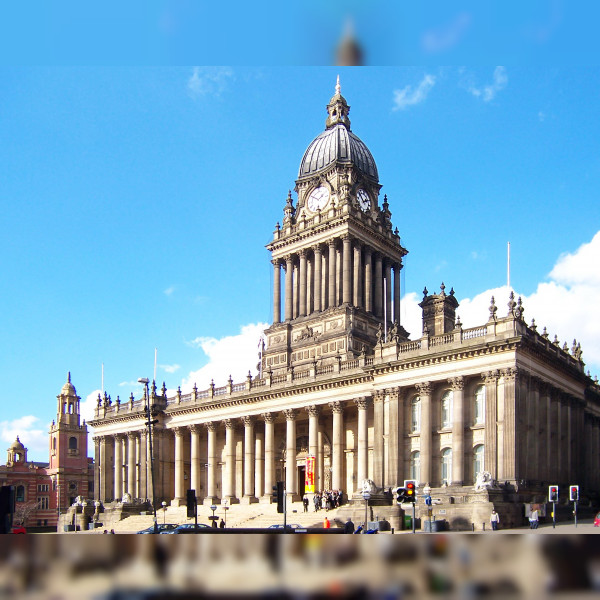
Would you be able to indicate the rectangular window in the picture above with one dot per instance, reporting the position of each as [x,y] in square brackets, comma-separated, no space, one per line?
[43,502]
[43,487]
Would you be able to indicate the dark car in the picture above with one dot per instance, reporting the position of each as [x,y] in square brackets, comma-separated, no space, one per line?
[597,520]
[187,528]
[288,526]
[162,527]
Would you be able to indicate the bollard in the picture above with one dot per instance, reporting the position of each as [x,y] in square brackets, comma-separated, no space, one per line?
[483,526]
[392,531]
[472,526]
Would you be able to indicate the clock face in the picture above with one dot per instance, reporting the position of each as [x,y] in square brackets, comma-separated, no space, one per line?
[318,199]
[363,200]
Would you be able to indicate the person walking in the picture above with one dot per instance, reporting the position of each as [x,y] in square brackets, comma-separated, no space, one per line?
[222,524]
[326,523]
[494,520]
[349,526]
[305,502]
[534,518]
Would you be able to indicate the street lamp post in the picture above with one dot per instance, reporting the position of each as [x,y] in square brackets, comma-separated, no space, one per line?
[366,496]
[145,381]
[164,505]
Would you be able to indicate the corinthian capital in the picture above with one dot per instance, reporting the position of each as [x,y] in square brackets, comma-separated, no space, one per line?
[457,383]
[424,389]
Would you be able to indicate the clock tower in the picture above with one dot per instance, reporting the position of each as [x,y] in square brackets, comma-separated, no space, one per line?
[336,256]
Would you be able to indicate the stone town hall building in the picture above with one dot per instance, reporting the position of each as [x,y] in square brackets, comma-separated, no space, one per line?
[341,381]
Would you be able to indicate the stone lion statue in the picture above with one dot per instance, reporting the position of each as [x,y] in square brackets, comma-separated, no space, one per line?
[368,485]
[126,498]
[483,481]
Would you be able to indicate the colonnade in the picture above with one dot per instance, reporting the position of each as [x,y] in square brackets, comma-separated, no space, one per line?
[532,433]
[342,271]
[121,468]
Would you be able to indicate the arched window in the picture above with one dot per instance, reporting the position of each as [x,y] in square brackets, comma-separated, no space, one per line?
[72,443]
[479,406]
[415,465]
[54,444]
[478,465]
[446,466]
[447,409]
[415,414]
[20,493]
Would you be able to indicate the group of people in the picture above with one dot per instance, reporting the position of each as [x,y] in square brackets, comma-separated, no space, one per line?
[327,500]
[534,519]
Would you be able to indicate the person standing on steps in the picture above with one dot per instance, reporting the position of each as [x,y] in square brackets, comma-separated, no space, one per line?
[494,520]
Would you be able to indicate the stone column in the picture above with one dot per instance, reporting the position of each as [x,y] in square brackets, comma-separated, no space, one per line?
[144,485]
[289,280]
[124,470]
[131,438]
[396,472]
[490,440]
[138,471]
[290,453]
[97,468]
[378,438]
[368,280]
[313,437]
[249,482]
[337,446]
[228,479]
[378,300]
[553,435]
[302,287]
[259,466]
[363,442]
[542,451]
[338,277]
[511,392]
[276,291]
[195,459]
[118,467]
[318,261]
[424,390]
[357,291]
[211,470]
[388,290]
[179,467]
[458,430]
[589,457]
[296,291]
[533,442]
[396,267]
[347,270]
[269,419]
[332,271]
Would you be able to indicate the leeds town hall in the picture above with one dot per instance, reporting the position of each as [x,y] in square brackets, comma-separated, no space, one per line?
[342,388]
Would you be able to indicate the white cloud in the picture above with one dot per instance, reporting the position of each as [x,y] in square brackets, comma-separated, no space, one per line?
[565,304]
[446,37]
[170,368]
[32,434]
[409,97]
[209,81]
[169,291]
[232,355]
[488,92]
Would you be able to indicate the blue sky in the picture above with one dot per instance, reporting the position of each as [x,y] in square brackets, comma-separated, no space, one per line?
[137,201]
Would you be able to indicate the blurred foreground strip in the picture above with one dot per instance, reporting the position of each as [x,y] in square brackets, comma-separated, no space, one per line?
[254,566]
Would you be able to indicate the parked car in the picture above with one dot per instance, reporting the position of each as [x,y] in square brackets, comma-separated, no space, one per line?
[18,530]
[187,528]
[597,520]
[288,526]
[161,528]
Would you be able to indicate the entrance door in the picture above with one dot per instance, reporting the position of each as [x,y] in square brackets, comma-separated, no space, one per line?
[301,480]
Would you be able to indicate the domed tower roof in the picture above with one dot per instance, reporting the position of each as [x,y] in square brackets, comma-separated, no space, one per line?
[337,144]
[17,446]
[68,389]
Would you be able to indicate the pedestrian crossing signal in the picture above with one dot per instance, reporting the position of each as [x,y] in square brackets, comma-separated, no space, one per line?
[574,493]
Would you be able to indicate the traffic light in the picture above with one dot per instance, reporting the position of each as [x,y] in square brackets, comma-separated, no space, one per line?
[278,496]
[400,495]
[552,493]
[410,485]
[191,503]
[574,493]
